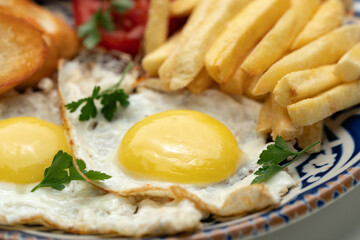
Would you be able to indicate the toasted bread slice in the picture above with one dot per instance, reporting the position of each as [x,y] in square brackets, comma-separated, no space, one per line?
[22,51]
[64,37]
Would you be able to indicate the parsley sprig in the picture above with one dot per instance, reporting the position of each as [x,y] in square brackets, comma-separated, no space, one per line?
[102,18]
[62,171]
[109,99]
[271,159]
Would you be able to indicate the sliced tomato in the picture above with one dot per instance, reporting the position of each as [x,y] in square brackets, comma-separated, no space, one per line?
[129,26]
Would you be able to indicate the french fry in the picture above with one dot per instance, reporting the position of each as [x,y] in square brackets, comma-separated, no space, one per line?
[348,68]
[312,110]
[312,134]
[249,88]
[329,16]
[296,86]
[241,35]
[201,82]
[282,124]
[201,11]
[157,25]
[23,51]
[181,8]
[190,58]
[326,50]
[152,61]
[277,41]
[155,84]
[237,82]
[265,120]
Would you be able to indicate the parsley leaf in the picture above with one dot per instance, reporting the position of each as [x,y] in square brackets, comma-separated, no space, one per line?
[109,100]
[101,18]
[271,159]
[62,171]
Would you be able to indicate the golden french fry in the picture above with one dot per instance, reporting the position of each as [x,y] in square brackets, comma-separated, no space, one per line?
[277,41]
[282,124]
[202,10]
[152,61]
[190,58]
[329,16]
[201,82]
[312,134]
[153,83]
[157,25]
[237,82]
[265,120]
[182,8]
[325,50]
[312,110]
[249,88]
[241,35]
[348,68]
[23,51]
[296,86]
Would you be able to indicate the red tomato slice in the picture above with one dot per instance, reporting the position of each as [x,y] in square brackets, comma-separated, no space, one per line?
[129,26]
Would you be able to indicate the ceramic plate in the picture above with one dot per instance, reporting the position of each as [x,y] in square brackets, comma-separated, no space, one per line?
[322,178]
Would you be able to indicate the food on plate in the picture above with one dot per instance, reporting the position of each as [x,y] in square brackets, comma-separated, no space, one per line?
[60,39]
[79,207]
[152,156]
[156,31]
[152,61]
[312,133]
[348,67]
[313,55]
[98,143]
[309,111]
[282,124]
[296,86]
[190,57]
[241,35]
[183,7]
[277,41]
[328,17]
[23,51]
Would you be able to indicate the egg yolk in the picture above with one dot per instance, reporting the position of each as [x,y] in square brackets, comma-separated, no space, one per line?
[179,146]
[27,147]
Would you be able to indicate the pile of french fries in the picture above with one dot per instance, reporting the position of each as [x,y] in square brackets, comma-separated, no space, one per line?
[32,40]
[295,55]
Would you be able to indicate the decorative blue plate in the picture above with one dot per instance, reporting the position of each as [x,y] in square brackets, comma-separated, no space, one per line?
[322,177]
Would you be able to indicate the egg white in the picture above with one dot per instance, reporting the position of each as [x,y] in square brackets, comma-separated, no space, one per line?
[97,142]
[80,207]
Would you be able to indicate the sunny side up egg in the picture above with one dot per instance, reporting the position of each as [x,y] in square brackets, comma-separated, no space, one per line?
[120,148]
[30,135]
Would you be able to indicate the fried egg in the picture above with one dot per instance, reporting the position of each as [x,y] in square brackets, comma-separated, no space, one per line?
[30,135]
[199,147]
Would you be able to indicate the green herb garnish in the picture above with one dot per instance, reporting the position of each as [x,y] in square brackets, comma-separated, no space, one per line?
[102,18]
[109,99]
[273,156]
[62,171]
